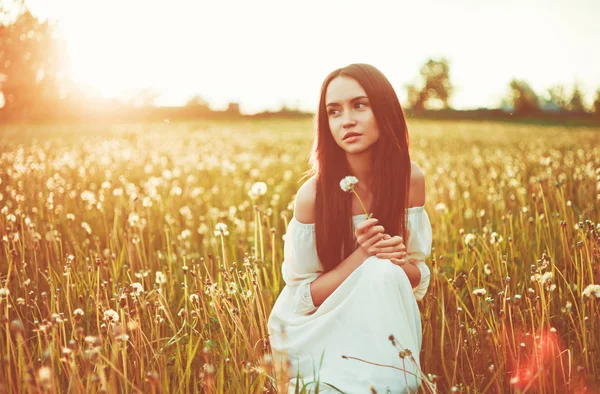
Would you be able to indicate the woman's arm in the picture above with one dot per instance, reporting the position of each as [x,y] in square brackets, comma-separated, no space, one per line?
[327,283]
[414,274]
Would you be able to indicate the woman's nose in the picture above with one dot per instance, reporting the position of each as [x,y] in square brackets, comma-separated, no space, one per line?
[348,122]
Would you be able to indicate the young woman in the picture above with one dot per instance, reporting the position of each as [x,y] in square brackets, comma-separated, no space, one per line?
[351,282]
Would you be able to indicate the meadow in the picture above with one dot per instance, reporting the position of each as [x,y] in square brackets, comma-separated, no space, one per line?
[146,257]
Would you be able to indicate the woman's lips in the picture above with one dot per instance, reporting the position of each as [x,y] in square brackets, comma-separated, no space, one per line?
[351,136]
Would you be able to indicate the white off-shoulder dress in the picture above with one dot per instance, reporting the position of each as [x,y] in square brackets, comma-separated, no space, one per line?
[356,320]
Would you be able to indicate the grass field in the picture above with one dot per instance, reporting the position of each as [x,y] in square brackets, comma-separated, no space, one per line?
[117,276]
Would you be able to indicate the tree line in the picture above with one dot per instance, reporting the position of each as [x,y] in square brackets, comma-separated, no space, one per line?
[34,79]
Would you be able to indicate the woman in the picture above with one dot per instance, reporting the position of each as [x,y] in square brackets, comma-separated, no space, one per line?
[352,284]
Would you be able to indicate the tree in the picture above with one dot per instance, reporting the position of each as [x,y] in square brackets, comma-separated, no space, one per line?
[435,86]
[558,99]
[596,104]
[576,102]
[196,101]
[524,99]
[33,62]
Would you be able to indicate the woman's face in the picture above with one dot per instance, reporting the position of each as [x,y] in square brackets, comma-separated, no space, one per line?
[351,119]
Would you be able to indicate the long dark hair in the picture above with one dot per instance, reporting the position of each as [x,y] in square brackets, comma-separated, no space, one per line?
[391,164]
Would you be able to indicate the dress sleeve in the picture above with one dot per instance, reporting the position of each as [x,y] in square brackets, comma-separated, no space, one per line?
[419,246]
[301,265]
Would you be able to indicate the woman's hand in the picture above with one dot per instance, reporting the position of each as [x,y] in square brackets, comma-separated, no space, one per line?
[368,233]
[392,248]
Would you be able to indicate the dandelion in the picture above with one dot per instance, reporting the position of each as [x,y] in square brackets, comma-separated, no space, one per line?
[133,219]
[86,227]
[258,189]
[160,278]
[45,375]
[111,316]
[479,292]
[137,288]
[347,184]
[441,207]
[221,229]
[246,294]
[470,239]
[591,290]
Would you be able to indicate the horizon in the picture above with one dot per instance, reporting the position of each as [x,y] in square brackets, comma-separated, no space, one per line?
[266,57]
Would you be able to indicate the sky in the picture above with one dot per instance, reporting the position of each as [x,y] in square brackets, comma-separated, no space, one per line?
[266,53]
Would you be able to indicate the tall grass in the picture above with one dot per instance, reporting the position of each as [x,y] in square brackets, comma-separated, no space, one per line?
[135,258]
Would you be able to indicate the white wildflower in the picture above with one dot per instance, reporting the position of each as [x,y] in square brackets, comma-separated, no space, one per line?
[160,278]
[591,290]
[258,189]
[479,292]
[348,183]
[221,229]
[111,316]
[86,227]
[470,239]
[137,288]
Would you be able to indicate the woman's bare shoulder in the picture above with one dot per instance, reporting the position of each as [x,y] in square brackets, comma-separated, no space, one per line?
[416,191]
[304,209]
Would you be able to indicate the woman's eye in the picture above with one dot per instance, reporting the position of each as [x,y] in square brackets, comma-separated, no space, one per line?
[361,105]
[333,112]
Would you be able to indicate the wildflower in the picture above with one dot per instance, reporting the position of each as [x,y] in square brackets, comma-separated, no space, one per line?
[70,217]
[111,316]
[194,299]
[591,290]
[160,277]
[133,219]
[232,288]
[137,288]
[221,229]
[45,375]
[4,292]
[495,238]
[86,227]
[470,239]
[258,189]
[246,294]
[479,292]
[441,207]
[347,184]
[185,234]
[78,313]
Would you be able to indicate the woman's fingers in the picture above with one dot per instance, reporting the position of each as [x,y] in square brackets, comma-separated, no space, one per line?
[390,249]
[392,241]
[369,242]
[369,234]
[393,255]
[399,261]
[363,226]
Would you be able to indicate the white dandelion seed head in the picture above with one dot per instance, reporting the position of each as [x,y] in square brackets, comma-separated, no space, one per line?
[160,278]
[221,229]
[111,316]
[348,182]
[441,207]
[591,291]
[258,189]
[470,239]
[479,292]
[137,288]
